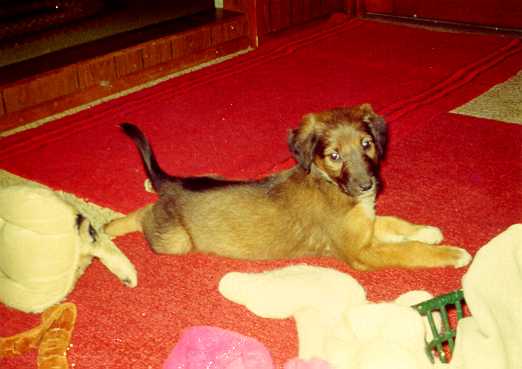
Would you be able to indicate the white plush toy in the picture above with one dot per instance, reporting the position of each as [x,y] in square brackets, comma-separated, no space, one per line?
[45,246]
[334,320]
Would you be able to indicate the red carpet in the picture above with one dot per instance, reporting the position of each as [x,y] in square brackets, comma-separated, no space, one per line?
[461,174]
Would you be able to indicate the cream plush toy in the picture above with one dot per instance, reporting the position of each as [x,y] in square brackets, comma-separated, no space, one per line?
[491,337]
[334,320]
[45,246]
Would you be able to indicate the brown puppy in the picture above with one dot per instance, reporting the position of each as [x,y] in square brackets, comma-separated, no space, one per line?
[322,206]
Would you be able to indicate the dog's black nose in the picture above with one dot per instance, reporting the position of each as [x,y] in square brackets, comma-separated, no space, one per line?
[366,186]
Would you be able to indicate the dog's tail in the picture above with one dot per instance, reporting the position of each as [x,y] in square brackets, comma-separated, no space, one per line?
[156,175]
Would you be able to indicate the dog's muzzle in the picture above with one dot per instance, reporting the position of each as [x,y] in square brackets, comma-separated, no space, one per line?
[360,188]
[366,186]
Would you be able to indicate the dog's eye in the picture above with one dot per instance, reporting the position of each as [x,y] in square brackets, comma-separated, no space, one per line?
[366,143]
[335,156]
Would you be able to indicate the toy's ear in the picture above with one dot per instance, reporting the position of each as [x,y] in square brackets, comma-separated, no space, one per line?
[98,244]
[302,141]
[378,128]
[115,260]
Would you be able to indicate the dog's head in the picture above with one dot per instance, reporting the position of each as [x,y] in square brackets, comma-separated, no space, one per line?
[343,145]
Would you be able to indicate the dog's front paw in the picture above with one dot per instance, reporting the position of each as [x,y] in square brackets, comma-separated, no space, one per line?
[458,257]
[427,234]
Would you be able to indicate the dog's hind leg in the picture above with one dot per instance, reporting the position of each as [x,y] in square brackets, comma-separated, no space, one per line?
[127,224]
[164,234]
[170,239]
[394,230]
[164,230]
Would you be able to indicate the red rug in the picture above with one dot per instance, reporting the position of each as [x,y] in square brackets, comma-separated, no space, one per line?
[461,174]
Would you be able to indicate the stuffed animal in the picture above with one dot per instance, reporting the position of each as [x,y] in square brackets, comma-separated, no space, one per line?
[45,246]
[335,322]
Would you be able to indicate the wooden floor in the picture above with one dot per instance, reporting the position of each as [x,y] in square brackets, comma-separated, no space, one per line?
[53,83]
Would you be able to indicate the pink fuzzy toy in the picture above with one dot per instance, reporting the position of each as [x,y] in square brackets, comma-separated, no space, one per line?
[216,348]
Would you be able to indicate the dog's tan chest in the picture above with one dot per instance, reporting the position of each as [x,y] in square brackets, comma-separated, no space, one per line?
[365,208]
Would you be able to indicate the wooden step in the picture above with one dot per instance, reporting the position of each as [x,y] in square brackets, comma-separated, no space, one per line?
[55,82]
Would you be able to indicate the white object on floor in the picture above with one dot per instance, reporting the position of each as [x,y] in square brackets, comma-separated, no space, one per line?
[44,249]
[491,338]
[334,320]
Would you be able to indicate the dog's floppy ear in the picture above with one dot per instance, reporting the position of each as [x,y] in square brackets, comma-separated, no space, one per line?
[378,128]
[302,142]
[380,134]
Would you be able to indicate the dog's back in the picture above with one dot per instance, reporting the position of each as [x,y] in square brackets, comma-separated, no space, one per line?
[279,217]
